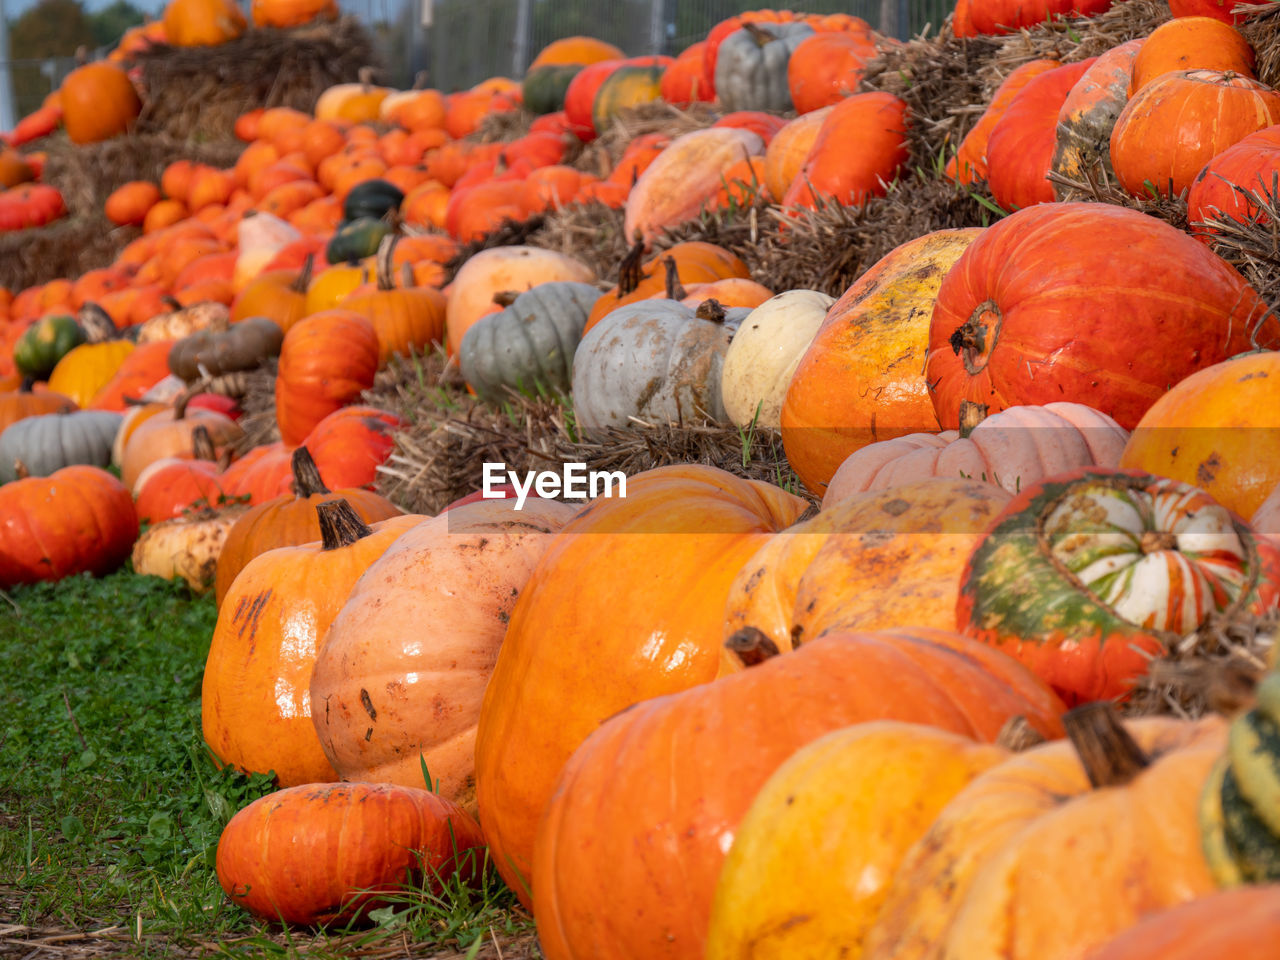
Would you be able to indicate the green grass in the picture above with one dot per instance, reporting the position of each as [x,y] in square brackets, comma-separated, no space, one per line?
[111,808]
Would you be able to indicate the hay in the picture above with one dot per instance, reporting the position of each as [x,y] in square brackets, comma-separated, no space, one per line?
[65,248]
[1252,246]
[591,232]
[441,455]
[259,405]
[1262,30]
[502,126]
[1172,210]
[509,233]
[196,93]
[1212,671]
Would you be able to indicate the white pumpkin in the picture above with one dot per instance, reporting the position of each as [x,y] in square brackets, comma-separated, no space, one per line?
[765,353]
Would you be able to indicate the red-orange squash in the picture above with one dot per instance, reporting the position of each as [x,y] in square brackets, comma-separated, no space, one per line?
[326,361]
[970,162]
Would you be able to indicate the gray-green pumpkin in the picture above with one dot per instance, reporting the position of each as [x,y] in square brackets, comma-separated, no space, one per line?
[751,66]
[529,346]
[655,360]
[50,442]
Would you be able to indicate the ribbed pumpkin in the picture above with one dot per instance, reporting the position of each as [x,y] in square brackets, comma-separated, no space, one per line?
[1219,430]
[1180,121]
[650,625]
[969,165]
[786,152]
[1088,574]
[407,319]
[861,379]
[1019,320]
[1014,448]
[169,434]
[291,519]
[1231,183]
[1241,924]
[331,853]
[256,702]
[25,402]
[41,445]
[172,486]
[350,443]
[1083,138]
[1075,813]
[1191,43]
[327,360]
[80,519]
[98,102]
[671,778]
[396,699]
[751,65]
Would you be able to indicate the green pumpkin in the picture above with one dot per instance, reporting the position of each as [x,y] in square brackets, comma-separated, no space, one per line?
[356,239]
[544,87]
[372,198]
[46,342]
[52,441]
[529,346]
[628,86]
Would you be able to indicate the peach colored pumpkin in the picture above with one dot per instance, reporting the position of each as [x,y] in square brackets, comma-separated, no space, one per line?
[789,149]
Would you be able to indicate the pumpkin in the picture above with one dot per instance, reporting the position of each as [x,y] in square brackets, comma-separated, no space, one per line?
[858,151]
[973,886]
[717,35]
[676,186]
[651,625]
[169,434]
[1003,16]
[789,148]
[581,92]
[290,519]
[186,546]
[544,87]
[751,66]
[277,295]
[497,270]
[326,361]
[575,50]
[1082,142]
[356,239]
[1240,924]
[1014,448]
[176,324]
[634,82]
[1231,184]
[682,83]
[1216,430]
[879,560]
[395,700]
[198,23]
[405,319]
[671,781]
[98,102]
[1180,121]
[27,401]
[1218,9]
[861,379]
[1019,320]
[813,857]
[657,361]
[262,474]
[1088,574]
[255,704]
[86,369]
[80,519]
[826,68]
[1020,148]
[291,13]
[969,165]
[1191,43]
[350,443]
[41,445]
[373,198]
[172,486]
[765,352]
[331,853]
[729,292]
[142,369]
[14,169]
[46,342]
[244,346]
[529,346]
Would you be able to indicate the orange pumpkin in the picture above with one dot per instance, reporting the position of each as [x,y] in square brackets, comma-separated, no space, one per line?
[1191,43]
[197,23]
[98,102]
[279,295]
[292,13]
[1242,924]
[129,204]
[969,165]
[327,360]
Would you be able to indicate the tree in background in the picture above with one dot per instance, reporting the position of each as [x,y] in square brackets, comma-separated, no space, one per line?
[110,23]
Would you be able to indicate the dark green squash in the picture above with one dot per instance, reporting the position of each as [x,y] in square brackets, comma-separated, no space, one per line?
[372,198]
[356,239]
[46,342]
[628,86]
[544,87]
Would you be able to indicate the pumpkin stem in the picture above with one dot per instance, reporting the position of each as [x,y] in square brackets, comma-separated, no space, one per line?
[27,384]
[629,270]
[307,481]
[20,470]
[303,280]
[712,310]
[752,646]
[365,76]
[180,404]
[675,290]
[1107,752]
[971,414]
[406,275]
[383,269]
[505,298]
[1018,734]
[420,80]
[758,34]
[340,525]
[96,323]
[172,302]
[202,446]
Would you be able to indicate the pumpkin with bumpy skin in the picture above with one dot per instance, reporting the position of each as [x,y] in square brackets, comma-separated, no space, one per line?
[244,346]
[394,699]
[186,546]
[255,700]
[1077,812]
[751,66]
[657,361]
[1088,574]
[1016,321]
[1082,146]
[672,779]
[529,346]
[331,853]
[861,379]
[765,352]
[80,519]
[1013,449]
[41,445]
[661,559]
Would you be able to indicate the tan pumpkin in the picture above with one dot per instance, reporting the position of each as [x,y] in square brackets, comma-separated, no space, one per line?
[169,433]
[789,148]
[186,547]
